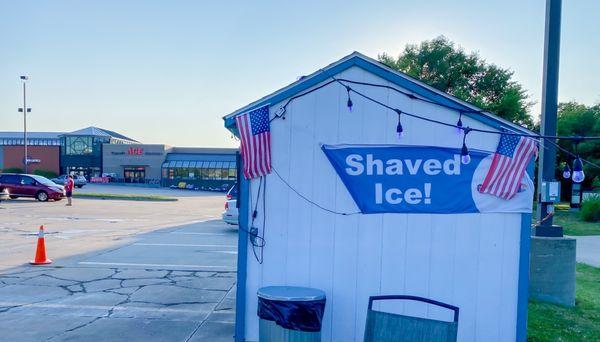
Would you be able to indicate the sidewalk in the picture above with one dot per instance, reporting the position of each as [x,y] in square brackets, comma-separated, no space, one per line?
[588,249]
[176,284]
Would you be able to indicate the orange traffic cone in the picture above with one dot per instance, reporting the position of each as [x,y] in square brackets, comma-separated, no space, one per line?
[40,252]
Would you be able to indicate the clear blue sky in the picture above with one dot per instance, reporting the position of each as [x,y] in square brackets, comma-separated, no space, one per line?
[167,71]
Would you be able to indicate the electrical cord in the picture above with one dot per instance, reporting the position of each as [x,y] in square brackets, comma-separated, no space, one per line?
[309,201]
[281,112]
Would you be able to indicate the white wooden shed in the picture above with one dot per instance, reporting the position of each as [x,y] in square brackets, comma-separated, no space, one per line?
[476,261]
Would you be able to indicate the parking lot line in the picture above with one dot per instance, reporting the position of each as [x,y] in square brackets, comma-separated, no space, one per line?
[182,245]
[192,233]
[151,265]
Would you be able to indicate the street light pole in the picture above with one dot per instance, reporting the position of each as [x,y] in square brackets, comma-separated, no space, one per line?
[25,110]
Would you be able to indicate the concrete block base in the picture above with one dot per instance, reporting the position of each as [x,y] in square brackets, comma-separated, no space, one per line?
[552,270]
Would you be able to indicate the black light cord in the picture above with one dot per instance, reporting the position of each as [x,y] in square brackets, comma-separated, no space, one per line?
[309,201]
[571,154]
[282,110]
[257,240]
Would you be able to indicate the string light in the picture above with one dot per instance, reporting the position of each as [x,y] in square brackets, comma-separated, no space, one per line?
[349,103]
[578,175]
[566,171]
[459,124]
[399,129]
[465,158]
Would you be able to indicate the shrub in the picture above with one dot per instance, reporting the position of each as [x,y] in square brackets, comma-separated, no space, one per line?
[45,173]
[596,183]
[12,170]
[590,209]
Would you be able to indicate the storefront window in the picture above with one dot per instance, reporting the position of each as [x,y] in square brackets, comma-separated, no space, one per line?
[79,145]
[232,171]
[205,170]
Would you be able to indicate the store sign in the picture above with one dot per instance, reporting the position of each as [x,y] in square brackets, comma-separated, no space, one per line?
[420,179]
[32,160]
[136,151]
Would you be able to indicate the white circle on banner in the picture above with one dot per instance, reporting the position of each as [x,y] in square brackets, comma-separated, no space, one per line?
[522,202]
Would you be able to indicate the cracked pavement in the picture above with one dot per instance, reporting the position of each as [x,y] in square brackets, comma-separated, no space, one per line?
[173,284]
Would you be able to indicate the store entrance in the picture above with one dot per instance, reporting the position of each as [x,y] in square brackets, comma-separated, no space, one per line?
[135,174]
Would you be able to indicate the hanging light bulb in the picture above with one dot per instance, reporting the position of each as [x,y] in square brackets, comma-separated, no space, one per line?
[399,129]
[578,175]
[566,171]
[349,103]
[459,124]
[464,155]
[465,158]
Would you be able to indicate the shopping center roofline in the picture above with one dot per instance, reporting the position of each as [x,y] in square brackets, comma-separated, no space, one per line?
[375,67]
[100,132]
[204,150]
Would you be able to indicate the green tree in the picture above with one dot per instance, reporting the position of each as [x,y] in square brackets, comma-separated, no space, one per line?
[444,66]
[578,119]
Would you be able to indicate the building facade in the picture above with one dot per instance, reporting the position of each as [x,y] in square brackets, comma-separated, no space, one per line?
[43,151]
[133,163]
[200,168]
[95,152]
[81,150]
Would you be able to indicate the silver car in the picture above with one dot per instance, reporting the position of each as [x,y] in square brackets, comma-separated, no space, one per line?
[230,215]
[78,180]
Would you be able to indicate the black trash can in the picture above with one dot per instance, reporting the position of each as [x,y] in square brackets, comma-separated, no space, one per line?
[290,314]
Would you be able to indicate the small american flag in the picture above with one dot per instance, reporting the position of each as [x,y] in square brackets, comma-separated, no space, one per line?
[508,166]
[255,134]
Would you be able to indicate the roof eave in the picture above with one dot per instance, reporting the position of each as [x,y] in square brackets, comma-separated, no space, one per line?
[383,71]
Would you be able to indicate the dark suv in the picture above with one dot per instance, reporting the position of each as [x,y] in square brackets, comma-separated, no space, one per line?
[38,187]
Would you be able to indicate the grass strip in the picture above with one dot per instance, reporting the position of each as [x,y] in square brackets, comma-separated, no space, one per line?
[125,197]
[549,322]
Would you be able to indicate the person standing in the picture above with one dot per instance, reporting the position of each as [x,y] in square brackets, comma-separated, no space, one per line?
[69,185]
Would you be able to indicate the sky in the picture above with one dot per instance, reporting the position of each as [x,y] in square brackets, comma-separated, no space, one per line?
[168,71]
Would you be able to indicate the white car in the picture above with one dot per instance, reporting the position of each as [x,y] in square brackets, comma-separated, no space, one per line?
[4,195]
[230,215]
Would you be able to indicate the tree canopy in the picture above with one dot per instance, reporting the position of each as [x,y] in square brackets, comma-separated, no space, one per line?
[444,66]
[578,119]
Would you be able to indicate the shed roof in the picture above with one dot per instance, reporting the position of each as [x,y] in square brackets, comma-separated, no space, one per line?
[400,79]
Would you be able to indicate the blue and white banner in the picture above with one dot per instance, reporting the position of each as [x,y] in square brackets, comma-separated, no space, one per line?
[420,179]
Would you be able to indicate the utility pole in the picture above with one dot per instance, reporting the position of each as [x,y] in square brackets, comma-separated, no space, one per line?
[25,110]
[546,170]
[552,255]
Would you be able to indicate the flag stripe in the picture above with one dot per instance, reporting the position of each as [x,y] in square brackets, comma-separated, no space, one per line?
[508,166]
[255,137]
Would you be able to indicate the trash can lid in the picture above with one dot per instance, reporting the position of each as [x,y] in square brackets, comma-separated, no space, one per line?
[290,293]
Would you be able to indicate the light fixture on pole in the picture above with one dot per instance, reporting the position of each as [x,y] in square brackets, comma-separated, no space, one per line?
[25,110]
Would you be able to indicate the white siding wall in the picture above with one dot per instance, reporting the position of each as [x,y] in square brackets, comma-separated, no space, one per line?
[468,260]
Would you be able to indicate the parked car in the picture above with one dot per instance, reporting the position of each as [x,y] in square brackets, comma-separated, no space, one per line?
[79,180]
[230,215]
[4,195]
[38,187]
[232,193]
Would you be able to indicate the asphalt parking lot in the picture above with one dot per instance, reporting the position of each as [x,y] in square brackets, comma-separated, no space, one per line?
[122,270]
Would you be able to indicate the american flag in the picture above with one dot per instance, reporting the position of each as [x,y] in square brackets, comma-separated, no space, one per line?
[508,166]
[255,134]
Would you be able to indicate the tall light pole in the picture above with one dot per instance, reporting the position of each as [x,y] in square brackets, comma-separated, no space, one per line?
[25,110]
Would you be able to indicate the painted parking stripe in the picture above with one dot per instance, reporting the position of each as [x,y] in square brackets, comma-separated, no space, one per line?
[99,307]
[182,245]
[150,265]
[192,233]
